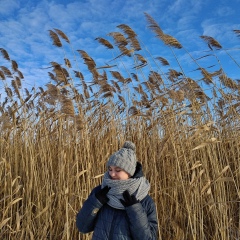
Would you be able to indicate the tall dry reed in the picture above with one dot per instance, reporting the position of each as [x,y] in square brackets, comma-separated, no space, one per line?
[54,142]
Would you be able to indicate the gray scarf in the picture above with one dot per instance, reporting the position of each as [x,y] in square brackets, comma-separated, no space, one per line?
[136,186]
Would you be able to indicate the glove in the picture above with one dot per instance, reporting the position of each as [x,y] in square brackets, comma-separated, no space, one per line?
[102,195]
[129,199]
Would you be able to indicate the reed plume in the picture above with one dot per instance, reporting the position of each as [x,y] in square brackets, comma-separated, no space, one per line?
[132,36]
[62,35]
[56,41]
[211,42]
[5,54]
[163,61]
[167,39]
[105,42]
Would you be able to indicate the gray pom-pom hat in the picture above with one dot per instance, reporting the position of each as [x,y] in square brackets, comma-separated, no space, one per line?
[125,158]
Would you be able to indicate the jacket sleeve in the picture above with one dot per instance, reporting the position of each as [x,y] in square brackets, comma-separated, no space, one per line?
[143,220]
[87,216]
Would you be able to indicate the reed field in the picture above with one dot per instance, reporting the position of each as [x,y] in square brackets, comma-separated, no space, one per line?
[55,139]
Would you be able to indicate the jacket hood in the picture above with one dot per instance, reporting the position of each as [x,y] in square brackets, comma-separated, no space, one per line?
[138,172]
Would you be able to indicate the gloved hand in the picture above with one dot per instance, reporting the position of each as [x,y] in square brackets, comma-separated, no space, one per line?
[129,199]
[102,195]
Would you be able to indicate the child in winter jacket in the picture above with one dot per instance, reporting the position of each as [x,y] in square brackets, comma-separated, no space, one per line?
[120,208]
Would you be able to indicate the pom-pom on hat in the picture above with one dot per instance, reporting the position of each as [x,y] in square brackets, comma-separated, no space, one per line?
[125,158]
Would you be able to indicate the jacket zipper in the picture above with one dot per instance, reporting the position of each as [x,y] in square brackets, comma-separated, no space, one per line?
[112,227]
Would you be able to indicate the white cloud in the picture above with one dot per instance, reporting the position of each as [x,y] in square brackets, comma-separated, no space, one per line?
[186,22]
[24,32]
[222,32]
[225,11]
[185,7]
[8,7]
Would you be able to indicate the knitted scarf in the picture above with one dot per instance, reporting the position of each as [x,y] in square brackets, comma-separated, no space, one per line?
[137,186]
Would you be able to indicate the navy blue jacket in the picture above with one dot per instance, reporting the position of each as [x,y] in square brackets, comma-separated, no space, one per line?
[136,222]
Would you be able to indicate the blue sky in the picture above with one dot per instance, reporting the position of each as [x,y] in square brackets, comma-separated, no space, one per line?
[25,24]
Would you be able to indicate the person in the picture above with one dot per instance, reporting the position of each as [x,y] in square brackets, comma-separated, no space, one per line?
[121,207]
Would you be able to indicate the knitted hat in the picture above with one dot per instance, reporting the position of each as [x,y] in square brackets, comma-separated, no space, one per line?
[125,158]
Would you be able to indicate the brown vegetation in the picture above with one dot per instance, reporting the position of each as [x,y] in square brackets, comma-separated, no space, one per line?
[54,142]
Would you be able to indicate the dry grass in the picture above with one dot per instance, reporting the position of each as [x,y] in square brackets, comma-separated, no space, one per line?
[54,143]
